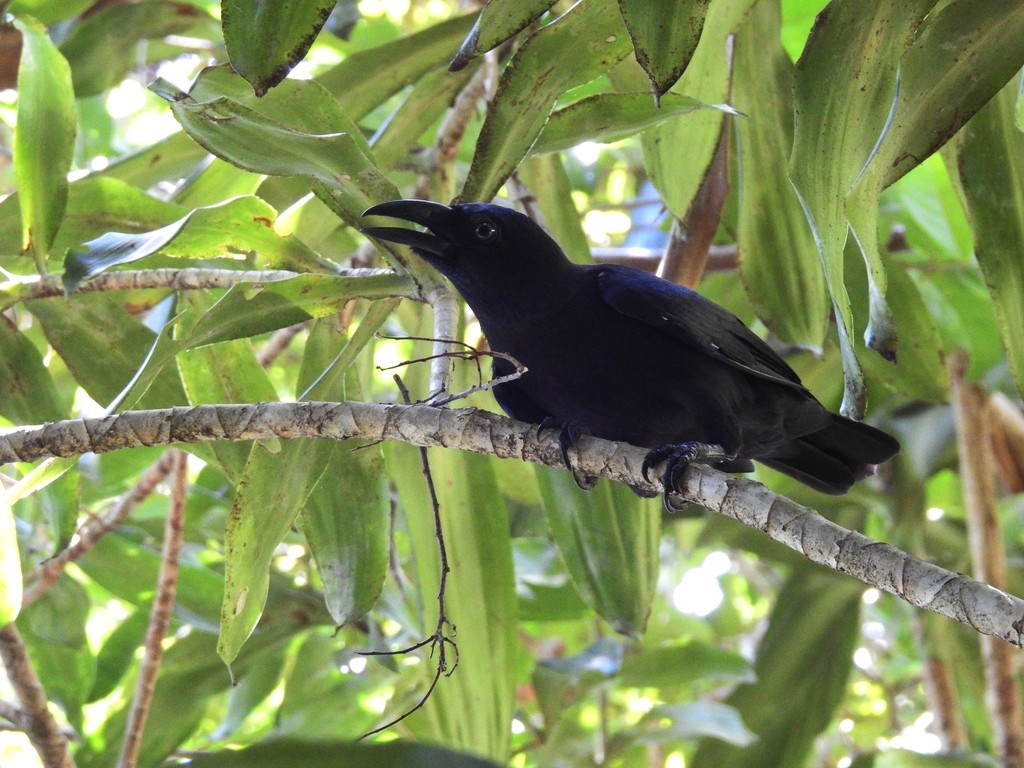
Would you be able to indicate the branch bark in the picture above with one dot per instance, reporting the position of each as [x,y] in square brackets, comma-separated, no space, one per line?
[986,609]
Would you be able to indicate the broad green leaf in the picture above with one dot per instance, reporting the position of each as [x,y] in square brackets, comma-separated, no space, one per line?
[608,117]
[27,391]
[671,723]
[682,664]
[341,754]
[265,40]
[102,345]
[130,571]
[549,184]
[531,83]
[991,162]
[678,174]
[473,709]
[347,518]
[919,371]
[500,20]
[10,564]
[173,158]
[609,540]
[227,372]
[365,79]
[249,309]
[846,83]
[102,48]
[802,667]
[664,37]
[338,163]
[318,675]
[44,139]
[271,492]
[95,206]
[228,228]
[53,628]
[252,689]
[779,263]
[945,76]
[216,182]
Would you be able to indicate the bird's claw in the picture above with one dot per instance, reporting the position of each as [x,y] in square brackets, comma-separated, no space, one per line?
[568,438]
[677,458]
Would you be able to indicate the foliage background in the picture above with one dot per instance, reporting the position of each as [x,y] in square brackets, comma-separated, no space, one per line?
[589,629]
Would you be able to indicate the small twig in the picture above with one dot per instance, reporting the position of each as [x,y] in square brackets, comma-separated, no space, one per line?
[440,639]
[45,576]
[160,615]
[40,727]
[471,353]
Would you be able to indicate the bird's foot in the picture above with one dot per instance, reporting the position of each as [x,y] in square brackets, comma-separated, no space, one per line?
[677,457]
[568,438]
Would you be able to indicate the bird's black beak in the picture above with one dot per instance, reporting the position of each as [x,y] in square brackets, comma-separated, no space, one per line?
[433,216]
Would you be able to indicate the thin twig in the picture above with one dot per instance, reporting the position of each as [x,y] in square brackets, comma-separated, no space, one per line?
[441,638]
[42,730]
[45,576]
[160,615]
[278,343]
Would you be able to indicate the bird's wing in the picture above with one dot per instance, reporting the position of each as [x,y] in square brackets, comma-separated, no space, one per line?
[693,320]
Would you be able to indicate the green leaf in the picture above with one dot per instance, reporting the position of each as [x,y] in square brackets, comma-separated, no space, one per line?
[103,47]
[608,117]
[365,79]
[664,36]
[678,175]
[27,391]
[671,723]
[345,175]
[500,20]
[265,40]
[44,139]
[273,488]
[532,82]
[53,628]
[117,654]
[802,667]
[779,263]
[682,664]
[549,183]
[102,345]
[991,161]
[347,518]
[228,228]
[473,709]
[845,89]
[340,754]
[609,540]
[130,571]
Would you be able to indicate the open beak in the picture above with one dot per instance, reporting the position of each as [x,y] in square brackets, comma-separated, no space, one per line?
[434,216]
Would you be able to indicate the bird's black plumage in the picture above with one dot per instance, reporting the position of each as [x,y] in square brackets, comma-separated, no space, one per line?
[624,355]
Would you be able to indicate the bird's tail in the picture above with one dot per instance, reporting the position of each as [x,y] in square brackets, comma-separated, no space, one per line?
[834,458]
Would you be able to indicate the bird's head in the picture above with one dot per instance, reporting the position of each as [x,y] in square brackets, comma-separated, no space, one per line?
[489,252]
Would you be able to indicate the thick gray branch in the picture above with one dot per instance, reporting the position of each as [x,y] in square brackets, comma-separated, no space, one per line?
[922,584]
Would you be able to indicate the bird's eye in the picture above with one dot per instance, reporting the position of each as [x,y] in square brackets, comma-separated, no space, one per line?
[484,231]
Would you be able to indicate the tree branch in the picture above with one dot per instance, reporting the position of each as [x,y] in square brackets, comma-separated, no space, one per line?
[39,725]
[987,610]
[189,279]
